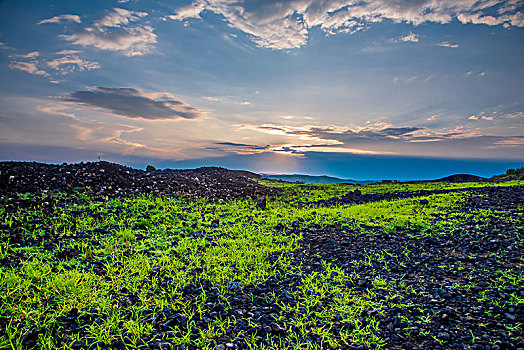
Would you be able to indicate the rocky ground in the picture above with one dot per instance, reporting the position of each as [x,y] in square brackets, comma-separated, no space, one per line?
[456,283]
[109,179]
[455,297]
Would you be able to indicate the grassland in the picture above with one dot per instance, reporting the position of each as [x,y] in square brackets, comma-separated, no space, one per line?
[444,270]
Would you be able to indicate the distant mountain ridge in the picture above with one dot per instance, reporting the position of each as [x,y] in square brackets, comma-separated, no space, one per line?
[311,179]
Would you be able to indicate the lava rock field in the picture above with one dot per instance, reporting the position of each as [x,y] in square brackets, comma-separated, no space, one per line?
[212,259]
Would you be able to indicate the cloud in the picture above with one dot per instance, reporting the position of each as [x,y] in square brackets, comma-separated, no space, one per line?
[510,142]
[29,55]
[483,116]
[477,18]
[373,138]
[119,17]
[514,115]
[133,103]
[70,62]
[433,117]
[28,67]
[243,145]
[286,24]
[447,44]
[117,31]
[302,149]
[382,131]
[62,18]
[411,37]
[241,148]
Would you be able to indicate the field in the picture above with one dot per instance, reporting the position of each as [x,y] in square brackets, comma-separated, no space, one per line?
[388,266]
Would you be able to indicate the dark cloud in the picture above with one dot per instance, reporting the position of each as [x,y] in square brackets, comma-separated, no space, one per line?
[399,131]
[348,136]
[133,103]
[243,145]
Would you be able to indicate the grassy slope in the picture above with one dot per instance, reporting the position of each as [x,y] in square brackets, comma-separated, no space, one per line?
[108,249]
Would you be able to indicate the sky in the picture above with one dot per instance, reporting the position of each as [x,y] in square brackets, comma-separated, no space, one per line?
[367,89]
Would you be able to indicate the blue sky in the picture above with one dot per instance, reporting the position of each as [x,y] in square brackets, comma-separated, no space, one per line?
[314,86]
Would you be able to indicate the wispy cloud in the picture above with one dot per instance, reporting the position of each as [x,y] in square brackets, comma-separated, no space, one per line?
[514,115]
[70,62]
[481,117]
[30,55]
[61,19]
[280,24]
[300,150]
[117,31]
[448,44]
[67,62]
[119,17]
[133,103]
[240,148]
[28,67]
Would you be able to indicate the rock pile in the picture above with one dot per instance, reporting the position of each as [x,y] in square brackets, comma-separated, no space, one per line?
[104,178]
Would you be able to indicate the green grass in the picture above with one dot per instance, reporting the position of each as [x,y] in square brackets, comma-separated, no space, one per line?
[106,249]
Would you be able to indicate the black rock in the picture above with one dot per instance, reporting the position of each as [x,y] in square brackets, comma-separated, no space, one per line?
[150,168]
[78,345]
[155,269]
[234,286]
[262,202]
[30,339]
[180,319]
[118,344]
[443,336]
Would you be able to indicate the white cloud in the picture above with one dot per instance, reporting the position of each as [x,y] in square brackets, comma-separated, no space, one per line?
[70,62]
[62,18]
[28,67]
[29,55]
[477,18]
[130,42]
[279,24]
[411,37]
[433,117]
[448,44]
[117,32]
[119,17]
[67,52]
[481,116]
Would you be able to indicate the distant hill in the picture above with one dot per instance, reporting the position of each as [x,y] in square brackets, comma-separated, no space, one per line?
[310,179]
[461,178]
